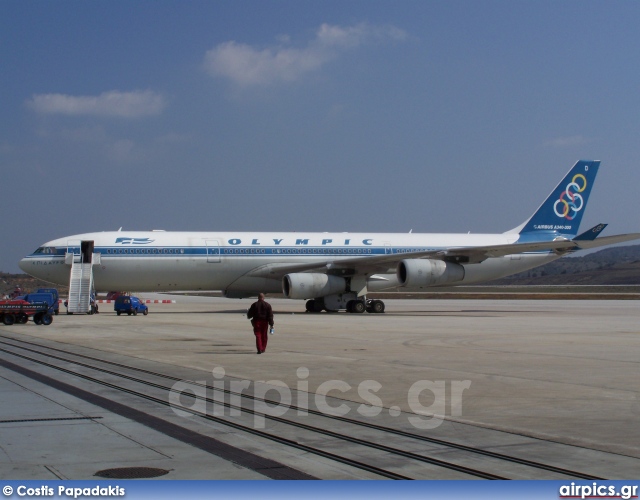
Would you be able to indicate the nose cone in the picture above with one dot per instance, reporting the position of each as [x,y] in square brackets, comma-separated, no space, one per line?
[24,263]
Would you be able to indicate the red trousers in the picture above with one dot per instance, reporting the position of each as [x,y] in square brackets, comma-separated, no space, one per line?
[260,328]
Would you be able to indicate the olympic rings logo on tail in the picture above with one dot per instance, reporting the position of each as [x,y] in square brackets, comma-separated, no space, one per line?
[570,201]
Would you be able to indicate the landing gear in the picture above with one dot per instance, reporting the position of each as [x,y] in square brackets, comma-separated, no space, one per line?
[356,306]
[348,302]
[375,306]
[315,305]
[371,306]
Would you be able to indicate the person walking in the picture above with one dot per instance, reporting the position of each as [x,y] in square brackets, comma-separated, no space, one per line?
[261,316]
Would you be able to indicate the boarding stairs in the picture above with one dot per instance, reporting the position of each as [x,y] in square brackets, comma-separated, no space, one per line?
[81,279]
[80,286]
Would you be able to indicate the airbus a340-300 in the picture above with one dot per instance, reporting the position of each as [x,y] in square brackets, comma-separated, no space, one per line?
[332,271]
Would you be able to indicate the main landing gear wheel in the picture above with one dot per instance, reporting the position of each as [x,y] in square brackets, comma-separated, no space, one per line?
[375,306]
[314,306]
[356,306]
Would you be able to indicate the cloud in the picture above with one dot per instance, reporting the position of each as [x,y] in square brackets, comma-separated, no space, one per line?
[114,103]
[360,34]
[563,142]
[246,65]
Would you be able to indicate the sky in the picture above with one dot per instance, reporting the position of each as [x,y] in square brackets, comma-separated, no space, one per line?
[360,116]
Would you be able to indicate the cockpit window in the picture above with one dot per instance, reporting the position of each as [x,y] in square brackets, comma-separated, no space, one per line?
[45,251]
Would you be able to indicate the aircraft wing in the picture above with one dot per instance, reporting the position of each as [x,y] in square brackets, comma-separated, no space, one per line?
[606,240]
[465,255]
[478,254]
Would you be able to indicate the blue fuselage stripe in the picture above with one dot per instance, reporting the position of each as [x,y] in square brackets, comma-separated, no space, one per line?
[244,251]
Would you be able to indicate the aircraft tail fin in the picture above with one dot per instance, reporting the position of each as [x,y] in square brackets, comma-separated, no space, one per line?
[561,213]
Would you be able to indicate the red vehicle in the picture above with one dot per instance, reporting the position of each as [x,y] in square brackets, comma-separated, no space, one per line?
[18,311]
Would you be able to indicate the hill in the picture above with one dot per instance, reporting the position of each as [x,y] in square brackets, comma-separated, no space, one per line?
[9,282]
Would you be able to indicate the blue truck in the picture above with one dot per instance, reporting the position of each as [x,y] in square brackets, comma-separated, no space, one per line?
[56,297]
[130,305]
[48,297]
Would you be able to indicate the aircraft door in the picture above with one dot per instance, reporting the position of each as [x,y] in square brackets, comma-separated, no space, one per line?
[213,250]
[86,250]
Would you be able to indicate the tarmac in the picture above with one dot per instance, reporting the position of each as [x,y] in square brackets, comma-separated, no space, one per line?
[554,380]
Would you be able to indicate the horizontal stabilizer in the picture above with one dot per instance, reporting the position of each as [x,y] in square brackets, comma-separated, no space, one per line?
[591,234]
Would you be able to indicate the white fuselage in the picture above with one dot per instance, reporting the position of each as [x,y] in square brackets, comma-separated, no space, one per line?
[166,261]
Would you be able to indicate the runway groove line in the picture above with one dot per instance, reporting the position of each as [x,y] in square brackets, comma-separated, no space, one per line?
[267,467]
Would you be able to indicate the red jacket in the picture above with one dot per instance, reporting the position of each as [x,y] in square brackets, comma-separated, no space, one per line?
[261,310]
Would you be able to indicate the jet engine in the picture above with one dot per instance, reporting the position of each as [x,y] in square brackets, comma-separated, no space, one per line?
[311,285]
[416,273]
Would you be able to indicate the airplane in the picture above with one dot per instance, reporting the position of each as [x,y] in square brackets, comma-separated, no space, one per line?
[331,271]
